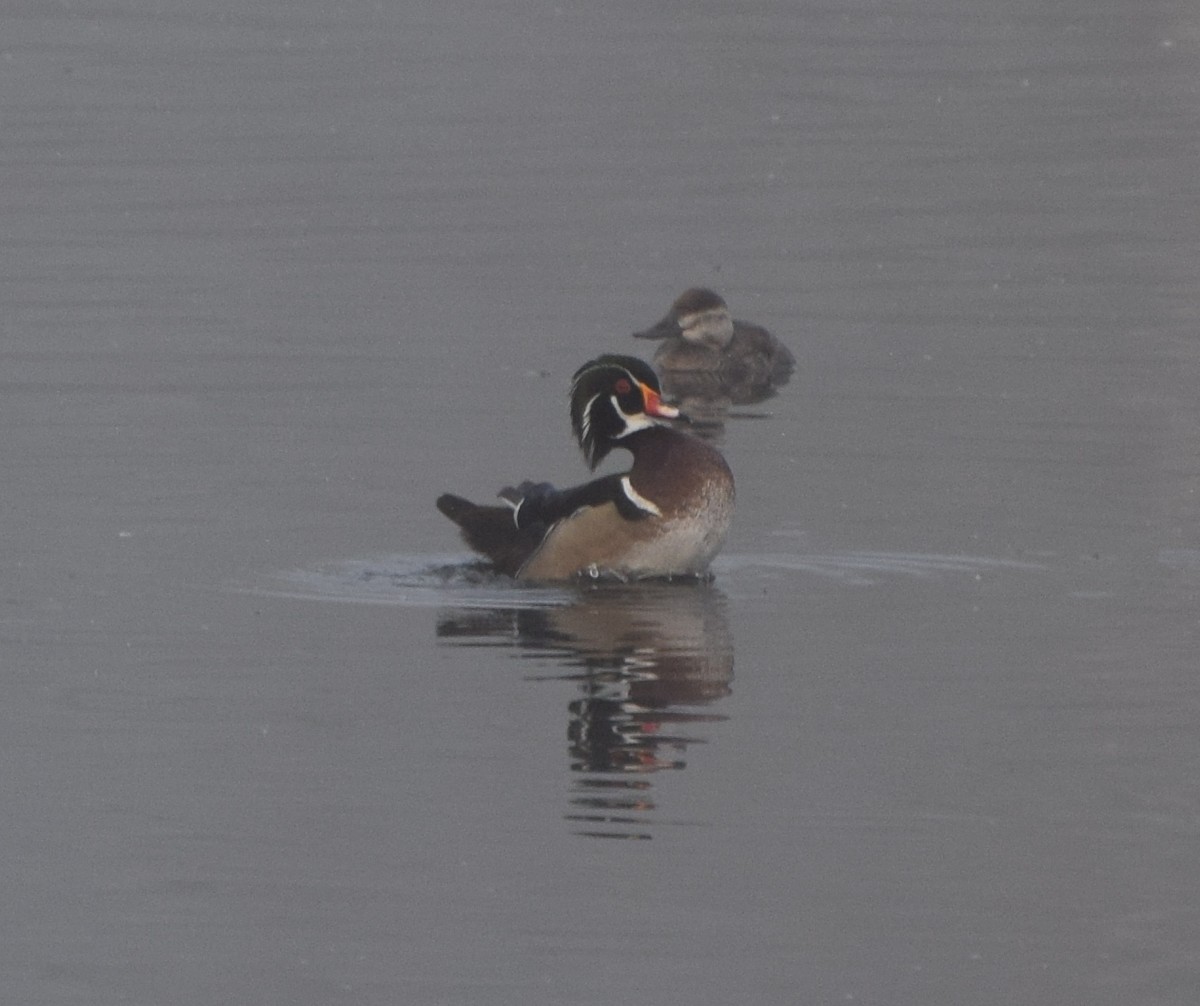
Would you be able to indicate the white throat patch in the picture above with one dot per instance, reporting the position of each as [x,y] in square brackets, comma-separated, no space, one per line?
[633,423]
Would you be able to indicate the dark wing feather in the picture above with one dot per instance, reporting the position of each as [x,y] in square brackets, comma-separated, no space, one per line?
[491,531]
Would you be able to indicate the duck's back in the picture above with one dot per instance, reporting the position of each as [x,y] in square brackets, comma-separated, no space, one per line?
[757,353]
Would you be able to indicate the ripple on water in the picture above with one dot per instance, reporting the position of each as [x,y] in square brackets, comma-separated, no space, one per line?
[868,568]
[455,580]
[409,581]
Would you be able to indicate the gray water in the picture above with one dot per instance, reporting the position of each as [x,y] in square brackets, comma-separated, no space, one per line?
[276,274]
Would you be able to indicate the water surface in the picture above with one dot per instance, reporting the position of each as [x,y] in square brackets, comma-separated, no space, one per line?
[276,275]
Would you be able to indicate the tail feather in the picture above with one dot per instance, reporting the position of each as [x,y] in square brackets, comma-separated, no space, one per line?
[491,531]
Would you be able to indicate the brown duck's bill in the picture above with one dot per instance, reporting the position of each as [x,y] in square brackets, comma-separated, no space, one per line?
[661,330]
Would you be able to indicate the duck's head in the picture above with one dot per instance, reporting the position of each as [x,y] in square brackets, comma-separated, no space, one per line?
[698,315]
[612,397]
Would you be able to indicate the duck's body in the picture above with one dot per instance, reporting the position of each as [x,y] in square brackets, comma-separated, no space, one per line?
[666,516]
[700,335]
[681,477]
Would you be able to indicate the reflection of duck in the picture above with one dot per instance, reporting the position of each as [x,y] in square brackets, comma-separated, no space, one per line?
[707,354]
[646,658]
[666,516]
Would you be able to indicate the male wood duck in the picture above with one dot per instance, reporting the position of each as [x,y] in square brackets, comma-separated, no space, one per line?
[666,516]
[700,335]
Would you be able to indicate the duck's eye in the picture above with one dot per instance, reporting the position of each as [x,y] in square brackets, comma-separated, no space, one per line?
[623,387]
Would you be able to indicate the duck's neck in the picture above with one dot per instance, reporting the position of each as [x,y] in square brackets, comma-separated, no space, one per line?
[647,444]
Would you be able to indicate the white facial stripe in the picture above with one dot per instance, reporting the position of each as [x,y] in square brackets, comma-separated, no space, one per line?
[586,424]
[707,328]
[637,499]
[709,317]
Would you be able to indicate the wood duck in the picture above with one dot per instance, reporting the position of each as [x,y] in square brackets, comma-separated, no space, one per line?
[666,516]
[700,335]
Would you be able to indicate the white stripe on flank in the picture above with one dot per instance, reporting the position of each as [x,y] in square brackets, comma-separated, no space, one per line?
[637,499]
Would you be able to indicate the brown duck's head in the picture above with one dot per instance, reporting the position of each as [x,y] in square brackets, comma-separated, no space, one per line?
[699,315]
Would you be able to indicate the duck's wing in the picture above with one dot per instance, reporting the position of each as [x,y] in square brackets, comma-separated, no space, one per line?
[540,503]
